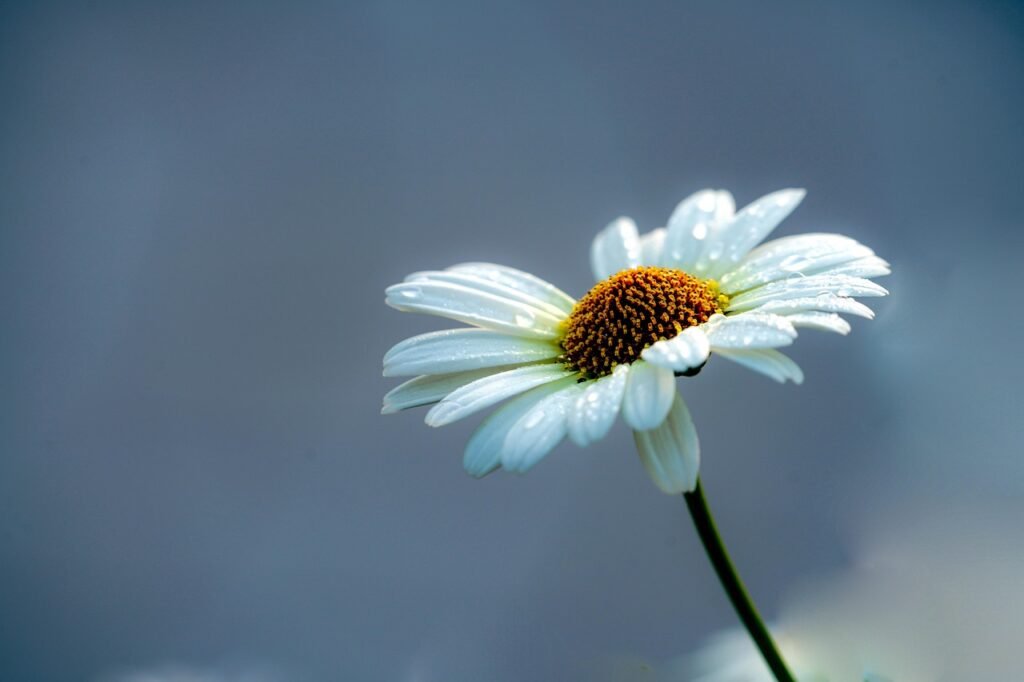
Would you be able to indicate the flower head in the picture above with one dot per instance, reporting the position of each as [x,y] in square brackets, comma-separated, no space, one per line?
[665,302]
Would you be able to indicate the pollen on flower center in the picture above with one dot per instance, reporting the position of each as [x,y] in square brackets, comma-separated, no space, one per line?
[631,310]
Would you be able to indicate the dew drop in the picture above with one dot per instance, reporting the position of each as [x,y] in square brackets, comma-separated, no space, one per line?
[524,320]
[534,420]
[794,263]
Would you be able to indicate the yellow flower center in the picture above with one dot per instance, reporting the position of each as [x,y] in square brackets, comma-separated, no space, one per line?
[631,310]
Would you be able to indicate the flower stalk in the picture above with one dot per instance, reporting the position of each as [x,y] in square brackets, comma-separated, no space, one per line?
[731,583]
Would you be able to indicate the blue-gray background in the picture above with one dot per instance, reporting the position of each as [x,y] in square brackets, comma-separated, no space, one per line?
[200,207]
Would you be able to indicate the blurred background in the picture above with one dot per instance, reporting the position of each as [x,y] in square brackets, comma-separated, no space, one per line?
[202,203]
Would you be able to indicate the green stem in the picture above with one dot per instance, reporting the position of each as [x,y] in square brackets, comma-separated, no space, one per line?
[741,601]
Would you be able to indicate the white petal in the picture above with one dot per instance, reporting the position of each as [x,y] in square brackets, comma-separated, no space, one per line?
[686,350]
[869,266]
[457,350]
[648,398]
[690,225]
[594,411]
[615,248]
[829,303]
[804,254]
[827,322]
[767,361]
[483,451]
[428,390]
[749,330]
[471,280]
[671,452]
[472,306]
[523,281]
[651,246]
[539,430]
[733,240]
[492,389]
[804,287]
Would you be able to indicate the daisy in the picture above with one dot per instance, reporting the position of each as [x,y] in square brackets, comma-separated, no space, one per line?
[665,303]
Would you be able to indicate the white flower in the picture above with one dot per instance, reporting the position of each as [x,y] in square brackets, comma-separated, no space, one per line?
[665,302]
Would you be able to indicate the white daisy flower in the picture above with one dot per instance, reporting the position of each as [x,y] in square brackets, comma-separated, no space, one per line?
[665,302]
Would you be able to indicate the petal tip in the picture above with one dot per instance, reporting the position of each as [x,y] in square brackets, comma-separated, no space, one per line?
[435,417]
[478,473]
[578,438]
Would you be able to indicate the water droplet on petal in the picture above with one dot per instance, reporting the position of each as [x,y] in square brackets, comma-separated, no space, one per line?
[535,418]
